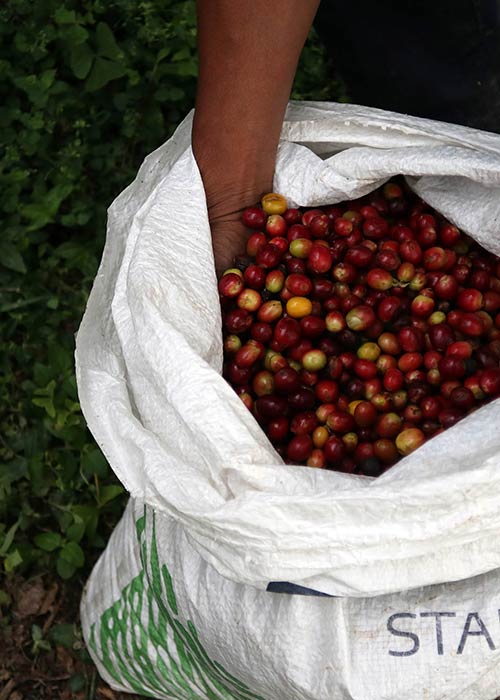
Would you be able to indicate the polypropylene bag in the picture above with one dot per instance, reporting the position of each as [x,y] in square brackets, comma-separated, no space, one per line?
[177,605]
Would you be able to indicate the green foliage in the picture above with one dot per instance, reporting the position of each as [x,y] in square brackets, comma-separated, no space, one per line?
[89,88]
[315,78]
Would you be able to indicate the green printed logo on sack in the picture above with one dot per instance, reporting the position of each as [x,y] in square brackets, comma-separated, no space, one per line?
[144,645]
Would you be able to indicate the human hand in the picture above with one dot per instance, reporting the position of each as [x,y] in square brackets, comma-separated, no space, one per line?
[229,235]
[228,240]
[230,187]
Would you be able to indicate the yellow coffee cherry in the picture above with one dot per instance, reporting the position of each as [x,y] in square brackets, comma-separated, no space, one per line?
[274,203]
[437,317]
[409,440]
[369,351]
[320,436]
[298,307]
[314,360]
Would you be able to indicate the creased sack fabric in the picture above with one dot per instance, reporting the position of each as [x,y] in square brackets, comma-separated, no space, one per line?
[215,515]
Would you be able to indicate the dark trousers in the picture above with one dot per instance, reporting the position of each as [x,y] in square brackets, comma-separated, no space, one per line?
[431,58]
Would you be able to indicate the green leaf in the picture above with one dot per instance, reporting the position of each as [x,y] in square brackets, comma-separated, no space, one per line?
[14,470]
[47,403]
[70,250]
[36,88]
[39,643]
[81,58]
[69,388]
[5,598]
[47,390]
[74,34]
[162,53]
[109,492]
[64,16]
[47,78]
[76,531]
[64,635]
[48,541]
[22,303]
[182,54]
[103,72]
[60,358]
[90,516]
[42,374]
[11,258]
[44,211]
[12,560]
[106,42]
[64,568]
[8,539]
[36,633]
[94,462]
[73,554]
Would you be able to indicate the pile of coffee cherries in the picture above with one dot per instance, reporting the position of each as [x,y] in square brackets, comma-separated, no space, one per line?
[357,331]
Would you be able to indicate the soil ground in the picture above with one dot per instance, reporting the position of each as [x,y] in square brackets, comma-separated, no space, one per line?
[42,653]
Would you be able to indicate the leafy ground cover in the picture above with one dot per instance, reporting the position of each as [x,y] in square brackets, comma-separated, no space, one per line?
[88,88]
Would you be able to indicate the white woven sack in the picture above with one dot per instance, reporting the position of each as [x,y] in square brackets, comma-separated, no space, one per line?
[149,356]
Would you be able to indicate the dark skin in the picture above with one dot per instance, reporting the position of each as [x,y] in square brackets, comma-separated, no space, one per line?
[248,55]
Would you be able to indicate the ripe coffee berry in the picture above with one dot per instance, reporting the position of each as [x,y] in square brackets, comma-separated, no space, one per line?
[254,217]
[360,318]
[299,448]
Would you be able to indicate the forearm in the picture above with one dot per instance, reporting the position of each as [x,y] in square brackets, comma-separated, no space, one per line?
[248,54]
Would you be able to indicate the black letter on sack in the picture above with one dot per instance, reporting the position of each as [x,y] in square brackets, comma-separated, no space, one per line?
[439,627]
[481,632]
[400,633]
